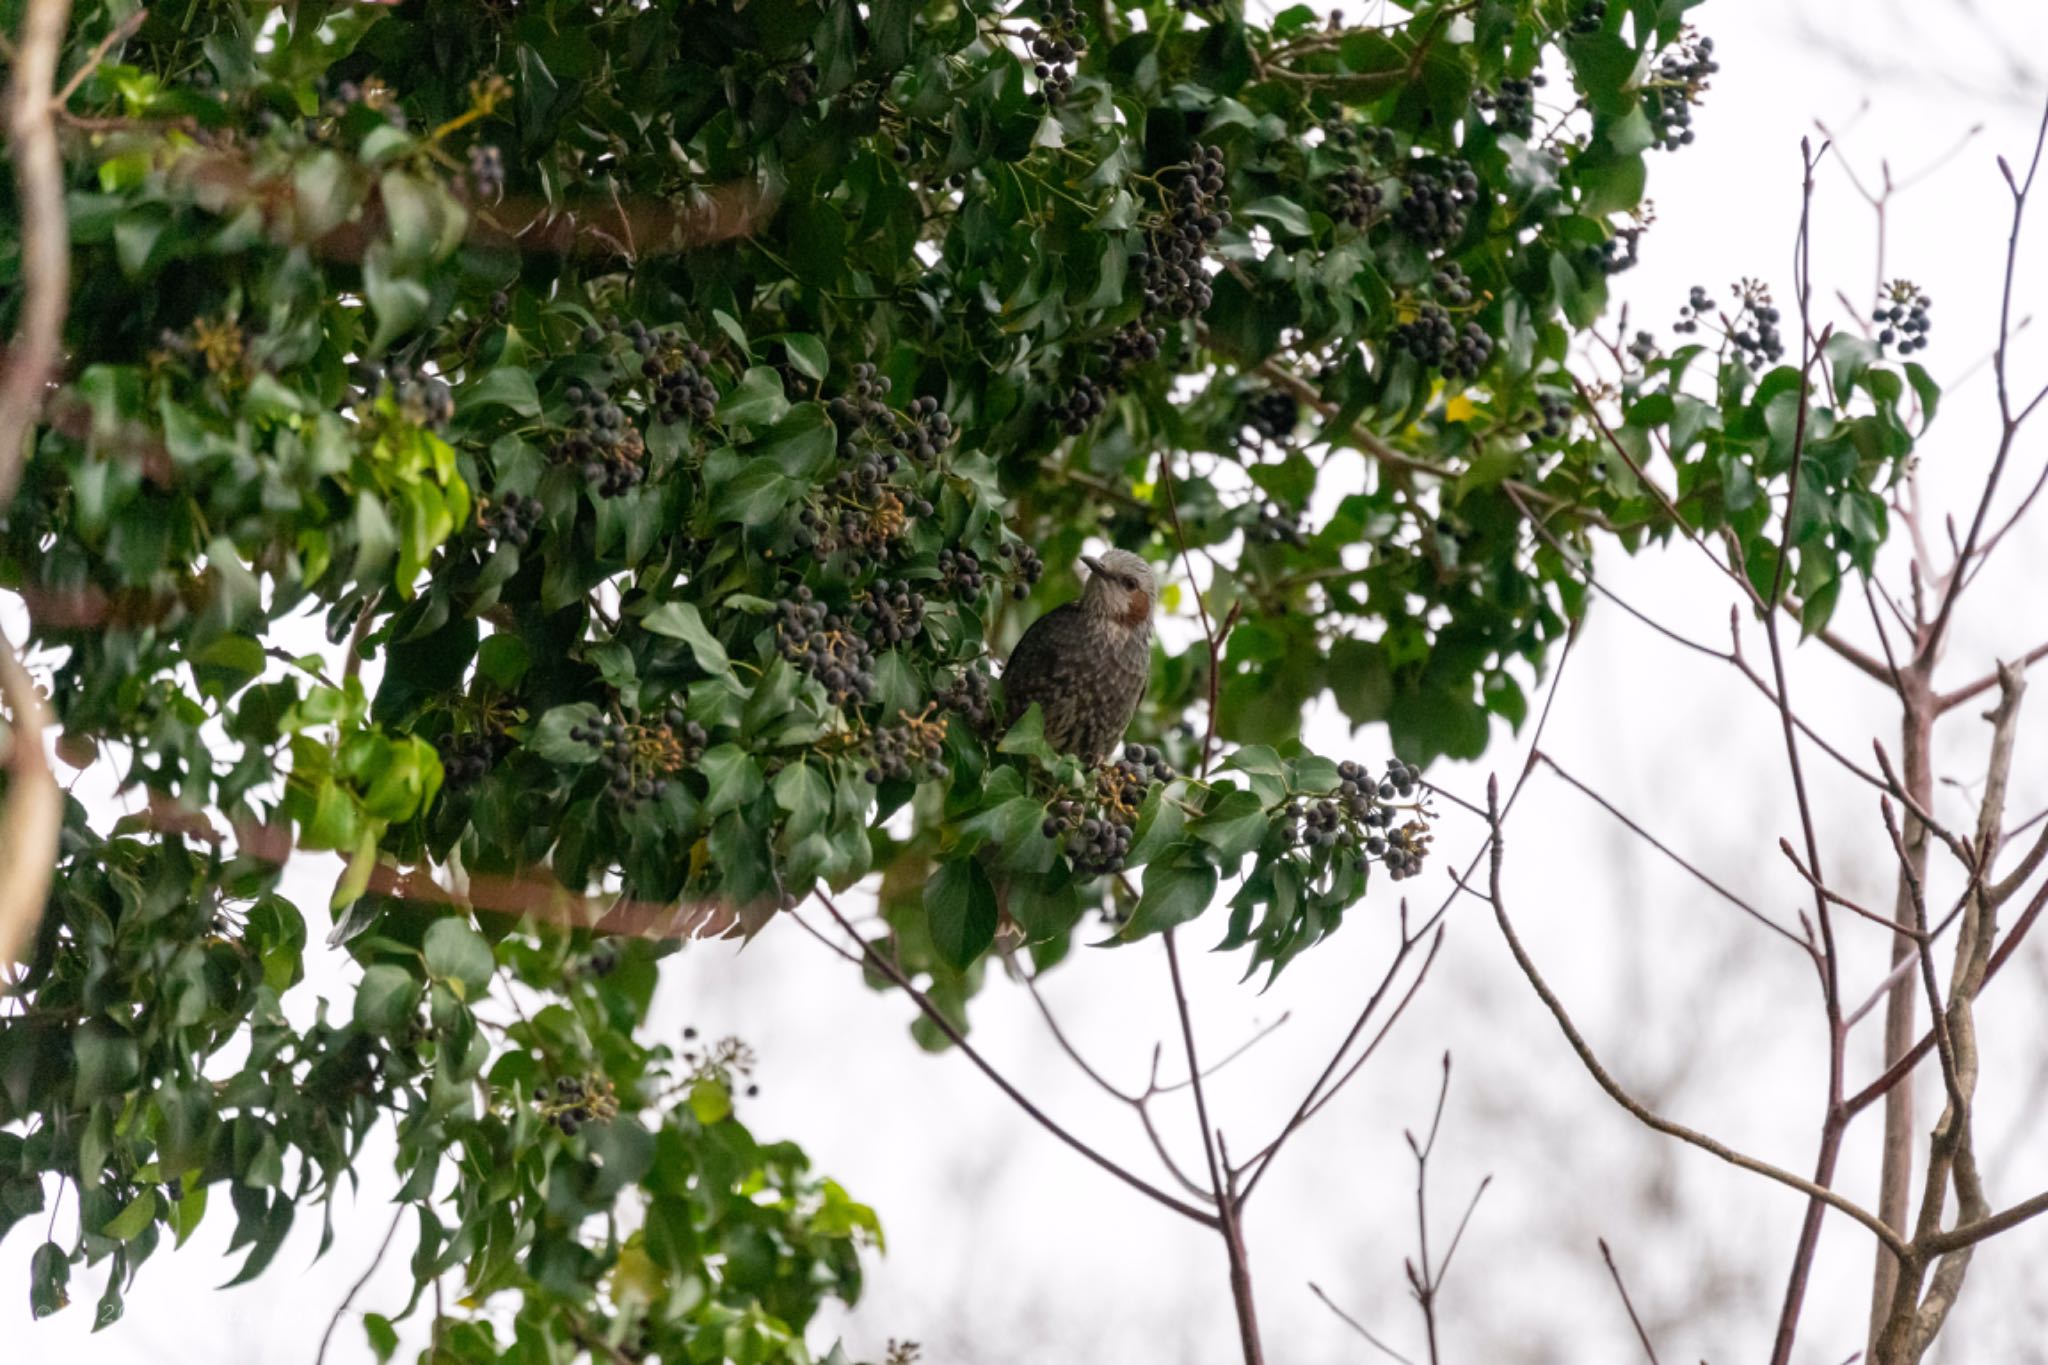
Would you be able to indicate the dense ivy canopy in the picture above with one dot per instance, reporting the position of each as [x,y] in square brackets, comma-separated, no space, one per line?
[680,407]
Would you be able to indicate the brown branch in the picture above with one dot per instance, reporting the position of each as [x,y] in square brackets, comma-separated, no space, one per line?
[1605,1080]
[1891,1076]
[45,268]
[1356,1326]
[1318,1095]
[118,34]
[1622,1289]
[1225,1193]
[1949,701]
[939,1020]
[31,819]
[320,1356]
[1723,892]
[1958,572]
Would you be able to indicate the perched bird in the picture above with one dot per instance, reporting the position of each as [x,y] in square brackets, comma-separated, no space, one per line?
[1085,663]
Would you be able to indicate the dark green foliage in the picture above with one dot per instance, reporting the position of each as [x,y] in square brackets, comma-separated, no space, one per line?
[685,405]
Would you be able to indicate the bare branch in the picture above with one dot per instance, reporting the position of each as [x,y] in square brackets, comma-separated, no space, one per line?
[1356,1326]
[1723,892]
[1622,1289]
[31,819]
[1002,1083]
[45,267]
[320,1356]
[1641,1112]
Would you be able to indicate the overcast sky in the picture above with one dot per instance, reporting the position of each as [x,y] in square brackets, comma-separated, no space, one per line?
[1007,1249]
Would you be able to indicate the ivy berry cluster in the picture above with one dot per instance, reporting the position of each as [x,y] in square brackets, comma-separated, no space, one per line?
[1437,343]
[468,758]
[967,696]
[1437,196]
[893,614]
[1025,567]
[1055,49]
[1361,816]
[1272,414]
[639,759]
[1513,105]
[601,443]
[573,1101]
[511,518]
[1902,313]
[1681,78]
[826,646]
[680,388]
[901,752]
[1096,829]
[1174,281]
[1353,197]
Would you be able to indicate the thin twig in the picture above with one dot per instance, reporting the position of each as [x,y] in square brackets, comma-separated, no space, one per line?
[320,1356]
[1356,1326]
[1641,1112]
[1002,1083]
[1622,1289]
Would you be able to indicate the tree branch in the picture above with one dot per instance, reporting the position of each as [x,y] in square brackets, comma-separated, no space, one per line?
[45,269]
[1641,1112]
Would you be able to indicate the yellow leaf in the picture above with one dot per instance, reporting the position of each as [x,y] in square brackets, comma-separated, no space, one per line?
[1460,409]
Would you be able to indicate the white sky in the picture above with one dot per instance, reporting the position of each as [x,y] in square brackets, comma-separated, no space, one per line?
[1005,1248]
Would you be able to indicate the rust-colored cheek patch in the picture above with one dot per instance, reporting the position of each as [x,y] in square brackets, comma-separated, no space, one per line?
[1139,609]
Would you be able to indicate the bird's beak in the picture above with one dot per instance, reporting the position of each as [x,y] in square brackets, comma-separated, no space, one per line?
[1094,564]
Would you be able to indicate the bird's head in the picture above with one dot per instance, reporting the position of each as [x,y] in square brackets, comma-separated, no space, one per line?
[1120,588]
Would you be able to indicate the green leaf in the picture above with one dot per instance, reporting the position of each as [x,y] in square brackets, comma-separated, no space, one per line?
[1027,737]
[457,953]
[1174,894]
[1285,212]
[398,302]
[105,1061]
[1160,827]
[803,793]
[504,386]
[128,1224]
[49,1279]
[756,401]
[387,999]
[1926,389]
[734,776]
[1234,825]
[806,355]
[960,909]
[681,621]
[550,739]
[382,1336]
[710,1101]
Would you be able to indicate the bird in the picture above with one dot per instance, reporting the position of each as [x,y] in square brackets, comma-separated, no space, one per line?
[1085,663]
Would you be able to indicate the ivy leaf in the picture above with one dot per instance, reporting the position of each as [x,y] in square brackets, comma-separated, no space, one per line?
[756,401]
[386,1000]
[960,909]
[802,792]
[455,952]
[1283,212]
[1234,824]
[1027,737]
[681,621]
[734,776]
[1174,894]
[550,739]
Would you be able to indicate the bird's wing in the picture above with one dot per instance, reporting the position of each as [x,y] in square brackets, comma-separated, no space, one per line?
[1032,674]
